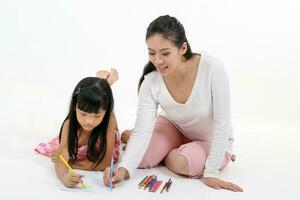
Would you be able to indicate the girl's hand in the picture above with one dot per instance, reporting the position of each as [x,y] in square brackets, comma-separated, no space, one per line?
[118,176]
[217,184]
[111,76]
[72,180]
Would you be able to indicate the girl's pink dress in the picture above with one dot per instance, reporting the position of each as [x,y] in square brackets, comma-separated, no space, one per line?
[47,148]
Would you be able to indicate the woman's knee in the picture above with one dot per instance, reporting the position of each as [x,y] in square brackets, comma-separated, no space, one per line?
[177,162]
[196,156]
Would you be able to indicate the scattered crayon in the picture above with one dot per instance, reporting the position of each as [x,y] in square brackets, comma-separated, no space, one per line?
[152,184]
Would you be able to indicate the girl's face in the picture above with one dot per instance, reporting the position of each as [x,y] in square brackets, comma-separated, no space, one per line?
[89,121]
[164,55]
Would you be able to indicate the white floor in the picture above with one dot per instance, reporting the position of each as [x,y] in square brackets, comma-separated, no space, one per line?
[267,167]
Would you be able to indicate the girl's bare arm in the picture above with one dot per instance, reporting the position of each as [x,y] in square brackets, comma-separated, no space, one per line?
[67,177]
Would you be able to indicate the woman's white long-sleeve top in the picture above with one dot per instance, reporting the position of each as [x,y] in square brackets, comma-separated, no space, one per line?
[204,116]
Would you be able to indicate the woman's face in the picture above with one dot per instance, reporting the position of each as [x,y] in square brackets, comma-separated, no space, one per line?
[164,54]
[89,121]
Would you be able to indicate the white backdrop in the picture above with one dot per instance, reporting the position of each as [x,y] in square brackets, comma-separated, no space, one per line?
[46,47]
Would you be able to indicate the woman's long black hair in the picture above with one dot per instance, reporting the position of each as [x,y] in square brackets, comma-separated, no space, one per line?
[90,95]
[170,28]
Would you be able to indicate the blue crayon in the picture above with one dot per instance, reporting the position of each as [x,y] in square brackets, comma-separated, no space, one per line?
[111,173]
[151,182]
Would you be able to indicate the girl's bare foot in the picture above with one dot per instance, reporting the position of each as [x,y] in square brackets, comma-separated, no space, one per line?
[111,76]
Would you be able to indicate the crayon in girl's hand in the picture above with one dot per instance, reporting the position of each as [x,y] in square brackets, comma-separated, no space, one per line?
[70,168]
[111,170]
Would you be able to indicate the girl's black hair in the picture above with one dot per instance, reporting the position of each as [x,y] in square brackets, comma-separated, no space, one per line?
[170,28]
[90,94]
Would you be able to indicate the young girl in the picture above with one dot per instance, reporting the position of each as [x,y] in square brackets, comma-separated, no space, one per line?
[89,135]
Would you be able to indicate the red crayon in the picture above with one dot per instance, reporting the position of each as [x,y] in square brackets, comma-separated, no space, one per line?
[153,186]
[156,186]
[147,181]
[152,183]
[144,182]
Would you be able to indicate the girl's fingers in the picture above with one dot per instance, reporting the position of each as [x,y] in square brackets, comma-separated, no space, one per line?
[53,159]
[76,178]
[74,183]
[71,183]
[115,178]
[76,175]
[53,156]
[106,176]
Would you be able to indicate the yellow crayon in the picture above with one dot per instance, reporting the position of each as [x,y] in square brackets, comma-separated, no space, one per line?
[70,168]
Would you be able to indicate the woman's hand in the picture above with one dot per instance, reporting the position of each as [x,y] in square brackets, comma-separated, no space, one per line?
[111,76]
[125,135]
[217,184]
[118,176]
[71,180]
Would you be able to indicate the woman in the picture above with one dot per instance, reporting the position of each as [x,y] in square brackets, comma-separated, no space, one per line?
[192,135]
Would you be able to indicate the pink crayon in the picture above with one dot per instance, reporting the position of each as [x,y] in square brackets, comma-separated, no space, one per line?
[156,186]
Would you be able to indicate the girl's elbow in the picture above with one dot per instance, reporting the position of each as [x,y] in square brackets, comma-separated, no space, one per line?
[104,165]
[101,167]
